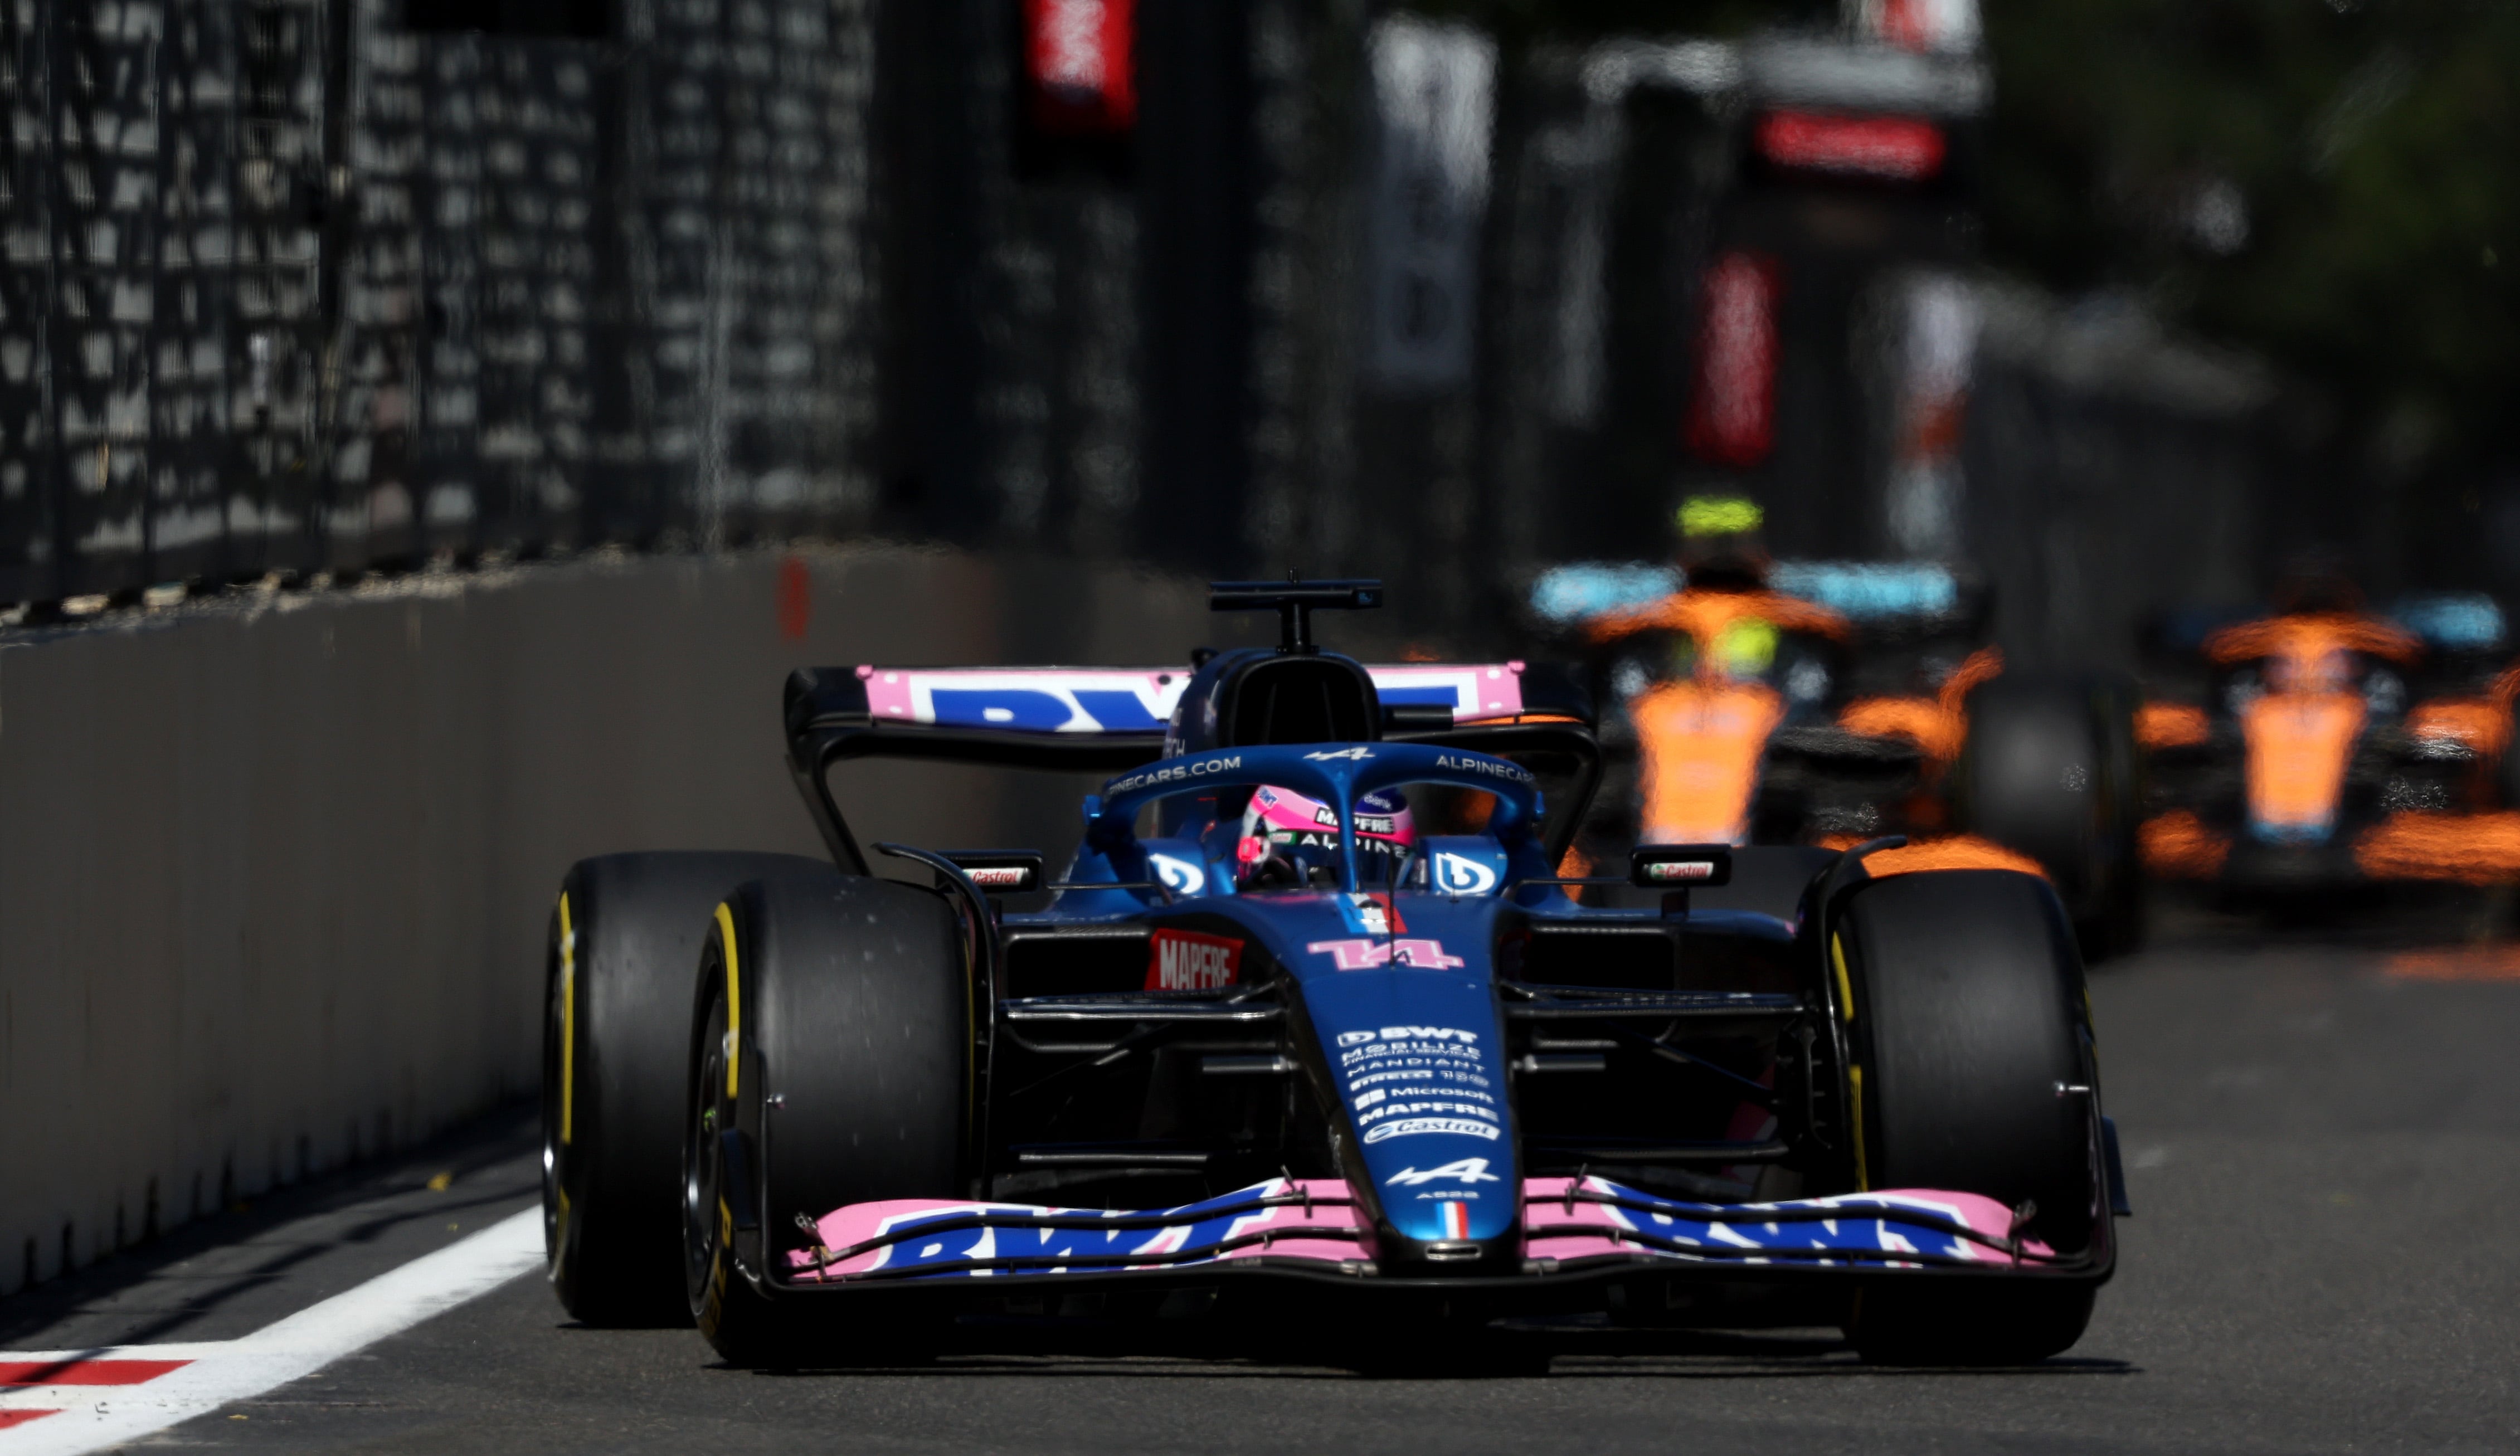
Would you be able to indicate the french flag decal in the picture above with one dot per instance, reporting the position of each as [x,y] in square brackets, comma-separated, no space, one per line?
[1456,1220]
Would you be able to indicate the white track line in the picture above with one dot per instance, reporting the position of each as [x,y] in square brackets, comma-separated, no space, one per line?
[90,1417]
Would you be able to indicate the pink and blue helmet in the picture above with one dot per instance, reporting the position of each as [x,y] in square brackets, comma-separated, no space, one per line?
[1290,841]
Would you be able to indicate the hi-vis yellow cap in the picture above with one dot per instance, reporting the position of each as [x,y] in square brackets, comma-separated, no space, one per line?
[1719,516]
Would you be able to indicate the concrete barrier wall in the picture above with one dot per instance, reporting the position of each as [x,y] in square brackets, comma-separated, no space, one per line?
[275,873]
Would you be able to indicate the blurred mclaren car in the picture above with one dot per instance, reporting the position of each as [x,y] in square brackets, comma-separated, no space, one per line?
[1808,705]
[2323,745]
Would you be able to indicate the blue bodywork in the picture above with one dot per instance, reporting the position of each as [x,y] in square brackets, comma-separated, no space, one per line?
[1397,986]
[1424,1035]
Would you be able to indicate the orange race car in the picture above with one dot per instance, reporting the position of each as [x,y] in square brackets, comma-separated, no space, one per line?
[1823,704]
[2324,746]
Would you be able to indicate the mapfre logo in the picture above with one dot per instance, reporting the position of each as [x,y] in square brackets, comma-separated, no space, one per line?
[1186,960]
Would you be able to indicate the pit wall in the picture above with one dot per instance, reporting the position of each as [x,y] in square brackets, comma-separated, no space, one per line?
[274,871]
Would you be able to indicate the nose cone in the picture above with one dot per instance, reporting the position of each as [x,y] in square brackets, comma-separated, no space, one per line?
[1414,1051]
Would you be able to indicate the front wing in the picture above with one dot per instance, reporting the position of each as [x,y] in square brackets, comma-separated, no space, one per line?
[1572,1226]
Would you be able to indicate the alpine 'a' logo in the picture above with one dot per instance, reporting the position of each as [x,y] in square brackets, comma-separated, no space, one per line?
[1467,1170]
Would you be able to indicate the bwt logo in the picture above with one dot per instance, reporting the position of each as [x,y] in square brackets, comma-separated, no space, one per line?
[1409,1034]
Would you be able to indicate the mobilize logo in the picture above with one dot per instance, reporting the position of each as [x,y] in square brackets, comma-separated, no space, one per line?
[1365,954]
[1186,960]
[1467,1170]
[1354,755]
[1409,1034]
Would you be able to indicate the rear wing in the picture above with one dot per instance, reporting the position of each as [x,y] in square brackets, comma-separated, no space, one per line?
[1108,720]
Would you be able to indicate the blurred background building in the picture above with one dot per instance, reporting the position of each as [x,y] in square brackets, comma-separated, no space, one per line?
[1441,294]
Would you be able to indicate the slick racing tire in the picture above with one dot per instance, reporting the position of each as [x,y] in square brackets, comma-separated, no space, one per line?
[616,1033]
[829,1064]
[2049,768]
[1973,1072]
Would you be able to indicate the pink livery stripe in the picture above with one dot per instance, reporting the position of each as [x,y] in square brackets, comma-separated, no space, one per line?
[1116,700]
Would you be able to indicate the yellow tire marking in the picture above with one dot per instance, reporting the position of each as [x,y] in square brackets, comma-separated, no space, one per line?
[1862,1176]
[733,999]
[1854,1072]
[568,1023]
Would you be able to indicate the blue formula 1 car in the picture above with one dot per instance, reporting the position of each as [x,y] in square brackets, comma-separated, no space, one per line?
[1309,1035]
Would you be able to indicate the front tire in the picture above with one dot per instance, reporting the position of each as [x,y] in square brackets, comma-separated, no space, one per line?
[830,1064]
[1973,1062]
[624,935]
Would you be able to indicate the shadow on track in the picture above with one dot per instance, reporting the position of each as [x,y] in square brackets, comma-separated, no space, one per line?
[1605,1355]
[398,1186]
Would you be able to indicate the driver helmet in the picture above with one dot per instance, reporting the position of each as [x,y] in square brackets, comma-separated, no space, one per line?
[1292,842]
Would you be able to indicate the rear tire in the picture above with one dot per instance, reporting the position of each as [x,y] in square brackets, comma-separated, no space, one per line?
[1968,1015]
[2049,768]
[617,1029]
[852,1083]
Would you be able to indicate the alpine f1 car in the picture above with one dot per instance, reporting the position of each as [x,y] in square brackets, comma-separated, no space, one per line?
[2323,745]
[1306,1039]
[1823,703]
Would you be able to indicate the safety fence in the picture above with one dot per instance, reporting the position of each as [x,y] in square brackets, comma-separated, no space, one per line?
[307,284]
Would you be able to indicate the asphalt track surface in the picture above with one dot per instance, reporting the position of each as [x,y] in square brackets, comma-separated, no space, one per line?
[2323,1134]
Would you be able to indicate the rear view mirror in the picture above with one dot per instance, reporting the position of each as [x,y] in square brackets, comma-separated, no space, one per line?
[1000,871]
[1680,866]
